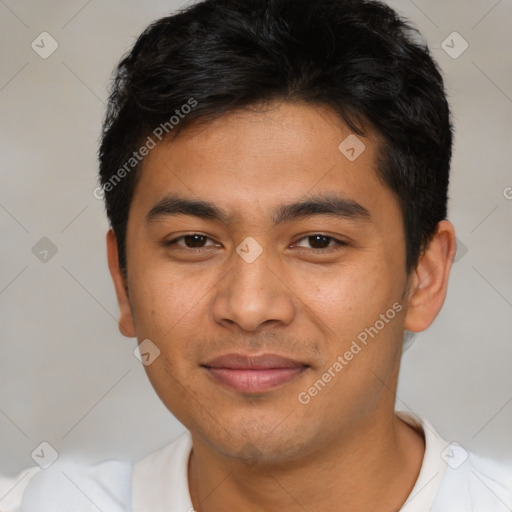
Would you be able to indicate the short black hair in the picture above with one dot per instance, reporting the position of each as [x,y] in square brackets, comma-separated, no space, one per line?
[358,57]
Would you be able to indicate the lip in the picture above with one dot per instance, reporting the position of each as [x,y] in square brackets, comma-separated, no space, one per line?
[247,362]
[254,374]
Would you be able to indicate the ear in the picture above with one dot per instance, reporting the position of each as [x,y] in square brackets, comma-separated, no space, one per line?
[428,283]
[126,322]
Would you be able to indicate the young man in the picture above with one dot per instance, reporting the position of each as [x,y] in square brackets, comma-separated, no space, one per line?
[275,173]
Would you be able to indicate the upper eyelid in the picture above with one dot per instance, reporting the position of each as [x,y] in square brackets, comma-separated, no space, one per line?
[332,238]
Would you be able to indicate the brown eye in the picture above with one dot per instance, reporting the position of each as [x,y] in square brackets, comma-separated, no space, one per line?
[321,242]
[192,241]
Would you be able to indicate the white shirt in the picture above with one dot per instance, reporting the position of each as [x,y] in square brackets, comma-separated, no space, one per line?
[450,480]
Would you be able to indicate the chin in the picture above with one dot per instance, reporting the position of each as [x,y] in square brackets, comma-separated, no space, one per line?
[269,440]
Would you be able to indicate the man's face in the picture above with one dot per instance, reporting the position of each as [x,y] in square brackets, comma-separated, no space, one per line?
[304,297]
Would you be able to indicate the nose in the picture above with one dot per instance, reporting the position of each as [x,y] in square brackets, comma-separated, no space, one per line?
[253,294]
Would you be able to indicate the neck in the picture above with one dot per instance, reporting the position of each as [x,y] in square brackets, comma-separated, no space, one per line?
[371,468]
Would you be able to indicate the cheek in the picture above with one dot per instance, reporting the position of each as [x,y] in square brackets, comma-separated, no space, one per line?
[349,310]
[347,306]
[165,298]
[344,301]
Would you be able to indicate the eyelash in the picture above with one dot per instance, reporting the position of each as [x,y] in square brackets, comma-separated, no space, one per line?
[338,244]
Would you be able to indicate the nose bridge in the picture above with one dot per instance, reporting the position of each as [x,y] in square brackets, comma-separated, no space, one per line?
[251,272]
[251,293]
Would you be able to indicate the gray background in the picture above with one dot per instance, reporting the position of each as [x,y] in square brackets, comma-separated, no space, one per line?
[66,374]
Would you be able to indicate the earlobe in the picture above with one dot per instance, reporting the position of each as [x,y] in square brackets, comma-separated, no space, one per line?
[126,322]
[429,281]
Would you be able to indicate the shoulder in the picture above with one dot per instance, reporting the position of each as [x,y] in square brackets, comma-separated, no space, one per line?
[112,486]
[455,480]
[70,486]
[479,484]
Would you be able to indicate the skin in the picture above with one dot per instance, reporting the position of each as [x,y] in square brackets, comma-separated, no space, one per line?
[345,449]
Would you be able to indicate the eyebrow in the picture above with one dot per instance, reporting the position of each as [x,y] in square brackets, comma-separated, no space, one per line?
[330,205]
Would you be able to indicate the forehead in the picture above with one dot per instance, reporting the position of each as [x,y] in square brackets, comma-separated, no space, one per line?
[249,162]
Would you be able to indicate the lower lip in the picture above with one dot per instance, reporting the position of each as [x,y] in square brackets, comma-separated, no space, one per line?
[255,381]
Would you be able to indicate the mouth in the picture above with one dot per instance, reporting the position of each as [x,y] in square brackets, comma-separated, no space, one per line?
[254,374]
